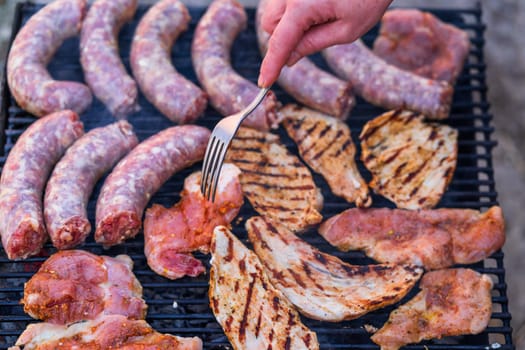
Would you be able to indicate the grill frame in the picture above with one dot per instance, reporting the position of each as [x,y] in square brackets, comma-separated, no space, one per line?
[472,186]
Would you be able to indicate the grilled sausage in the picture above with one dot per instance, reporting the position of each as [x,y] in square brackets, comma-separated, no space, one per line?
[174,96]
[29,81]
[99,54]
[23,178]
[388,86]
[75,175]
[139,175]
[309,84]
[228,91]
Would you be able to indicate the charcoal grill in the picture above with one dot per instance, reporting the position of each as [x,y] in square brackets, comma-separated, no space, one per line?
[472,187]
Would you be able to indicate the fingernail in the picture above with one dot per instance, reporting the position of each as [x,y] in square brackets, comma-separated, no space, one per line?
[261,82]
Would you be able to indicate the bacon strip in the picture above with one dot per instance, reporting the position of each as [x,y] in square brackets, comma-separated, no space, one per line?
[171,235]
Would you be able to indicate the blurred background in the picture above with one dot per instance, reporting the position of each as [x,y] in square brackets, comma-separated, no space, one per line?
[505,59]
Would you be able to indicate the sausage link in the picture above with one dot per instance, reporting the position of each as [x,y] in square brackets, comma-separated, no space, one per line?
[35,44]
[139,175]
[174,96]
[23,178]
[99,55]
[228,91]
[74,177]
[388,86]
[309,84]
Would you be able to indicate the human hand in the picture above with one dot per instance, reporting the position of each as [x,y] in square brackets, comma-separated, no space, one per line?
[301,27]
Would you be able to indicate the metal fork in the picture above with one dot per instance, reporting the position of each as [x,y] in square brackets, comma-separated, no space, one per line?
[220,139]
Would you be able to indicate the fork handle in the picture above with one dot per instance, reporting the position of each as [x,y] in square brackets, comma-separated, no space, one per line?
[256,101]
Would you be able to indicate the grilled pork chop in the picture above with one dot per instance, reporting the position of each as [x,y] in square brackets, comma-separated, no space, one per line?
[252,313]
[325,144]
[275,182]
[412,162]
[171,235]
[433,238]
[451,302]
[104,332]
[74,285]
[320,285]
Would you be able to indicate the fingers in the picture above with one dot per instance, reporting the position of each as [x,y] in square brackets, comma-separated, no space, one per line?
[320,37]
[281,44]
[271,14]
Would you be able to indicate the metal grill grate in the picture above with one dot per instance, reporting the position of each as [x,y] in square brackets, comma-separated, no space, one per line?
[472,187]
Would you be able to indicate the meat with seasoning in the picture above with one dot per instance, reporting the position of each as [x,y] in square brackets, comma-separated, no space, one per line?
[411,161]
[129,187]
[251,311]
[451,302]
[169,91]
[325,144]
[275,181]
[74,177]
[387,86]
[309,84]
[24,176]
[103,68]
[420,42]
[435,238]
[105,332]
[321,286]
[228,91]
[171,235]
[33,48]
[75,285]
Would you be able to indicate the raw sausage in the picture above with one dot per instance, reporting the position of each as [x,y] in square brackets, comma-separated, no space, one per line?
[388,86]
[29,81]
[311,85]
[139,175]
[99,54]
[174,96]
[74,177]
[228,91]
[23,178]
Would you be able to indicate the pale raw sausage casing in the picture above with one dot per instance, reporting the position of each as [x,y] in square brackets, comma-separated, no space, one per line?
[35,44]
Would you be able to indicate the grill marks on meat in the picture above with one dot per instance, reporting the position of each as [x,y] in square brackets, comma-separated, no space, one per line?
[320,285]
[275,182]
[252,313]
[74,285]
[310,85]
[23,178]
[105,332]
[228,91]
[451,302]
[172,234]
[33,48]
[74,177]
[434,239]
[325,144]
[174,96]
[387,86]
[419,42]
[99,55]
[412,162]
